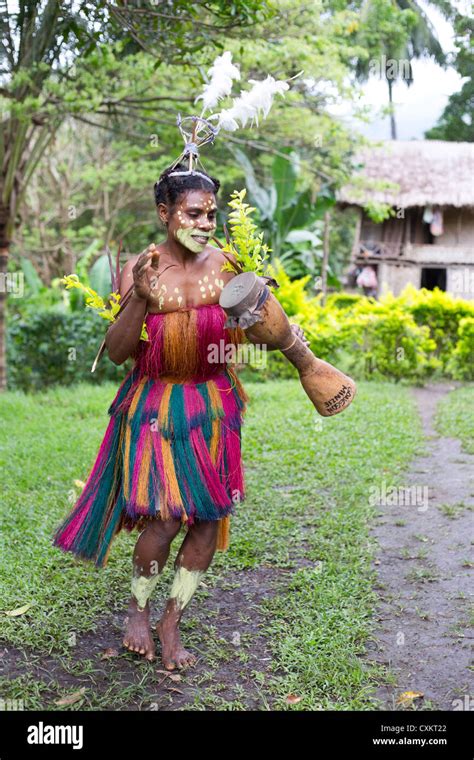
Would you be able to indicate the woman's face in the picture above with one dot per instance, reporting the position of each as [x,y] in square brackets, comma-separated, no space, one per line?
[192,222]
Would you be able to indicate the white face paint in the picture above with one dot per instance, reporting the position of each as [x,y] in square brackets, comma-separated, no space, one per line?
[184,585]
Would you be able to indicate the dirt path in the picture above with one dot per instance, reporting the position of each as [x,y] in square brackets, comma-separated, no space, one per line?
[424,566]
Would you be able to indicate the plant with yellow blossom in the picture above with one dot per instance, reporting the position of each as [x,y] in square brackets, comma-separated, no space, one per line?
[107,309]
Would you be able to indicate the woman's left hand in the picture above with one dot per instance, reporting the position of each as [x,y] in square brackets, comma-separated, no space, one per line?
[300,333]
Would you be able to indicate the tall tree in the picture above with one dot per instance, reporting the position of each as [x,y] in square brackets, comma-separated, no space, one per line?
[45,47]
[394,33]
[457,120]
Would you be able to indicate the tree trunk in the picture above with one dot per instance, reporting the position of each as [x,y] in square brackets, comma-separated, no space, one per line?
[4,249]
[6,225]
[393,126]
[324,265]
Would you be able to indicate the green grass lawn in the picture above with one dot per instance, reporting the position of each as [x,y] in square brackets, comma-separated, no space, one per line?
[455,417]
[305,524]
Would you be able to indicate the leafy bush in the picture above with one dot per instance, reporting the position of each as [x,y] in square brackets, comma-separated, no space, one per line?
[461,363]
[388,343]
[53,346]
[343,300]
[440,312]
[292,293]
[410,337]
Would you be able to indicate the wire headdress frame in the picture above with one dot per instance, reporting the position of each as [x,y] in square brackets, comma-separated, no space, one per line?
[201,133]
[197,131]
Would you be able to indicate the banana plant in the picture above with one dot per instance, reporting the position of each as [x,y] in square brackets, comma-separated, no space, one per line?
[290,217]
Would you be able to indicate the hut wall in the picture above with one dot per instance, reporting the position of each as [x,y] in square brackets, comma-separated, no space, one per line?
[441,255]
[458,227]
[460,281]
[395,278]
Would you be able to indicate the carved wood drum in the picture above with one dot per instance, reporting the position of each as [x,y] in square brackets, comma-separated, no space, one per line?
[249,302]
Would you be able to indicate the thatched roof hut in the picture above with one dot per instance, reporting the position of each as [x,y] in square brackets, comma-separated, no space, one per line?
[427,172]
[429,239]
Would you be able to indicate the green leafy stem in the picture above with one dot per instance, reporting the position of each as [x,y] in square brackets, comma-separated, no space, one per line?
[244,243]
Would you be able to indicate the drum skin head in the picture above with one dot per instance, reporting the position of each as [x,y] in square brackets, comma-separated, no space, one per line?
[241,293]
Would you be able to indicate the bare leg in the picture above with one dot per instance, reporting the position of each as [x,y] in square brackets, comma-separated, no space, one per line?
[149,557]
[193,559]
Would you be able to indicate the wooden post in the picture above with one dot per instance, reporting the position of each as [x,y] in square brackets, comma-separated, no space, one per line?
[459,226]
[324,265]
[356,241]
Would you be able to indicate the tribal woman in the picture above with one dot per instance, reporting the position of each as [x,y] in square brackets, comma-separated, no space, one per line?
[171,455]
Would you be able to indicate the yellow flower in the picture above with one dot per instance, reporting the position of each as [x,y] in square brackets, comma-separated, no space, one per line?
[106,309]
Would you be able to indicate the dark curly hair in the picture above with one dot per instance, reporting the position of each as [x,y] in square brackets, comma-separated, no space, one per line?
[168,189]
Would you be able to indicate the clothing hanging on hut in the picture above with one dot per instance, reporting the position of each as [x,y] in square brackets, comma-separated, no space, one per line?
[436,226]
[173,443]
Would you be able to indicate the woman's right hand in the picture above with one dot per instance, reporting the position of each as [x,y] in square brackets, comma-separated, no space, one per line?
[142,277]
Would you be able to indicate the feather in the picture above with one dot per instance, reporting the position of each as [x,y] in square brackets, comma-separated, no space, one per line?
[222,73]
[251,104]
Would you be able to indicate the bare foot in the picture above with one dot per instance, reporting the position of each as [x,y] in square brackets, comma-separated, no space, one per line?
[173,654]
[138,636]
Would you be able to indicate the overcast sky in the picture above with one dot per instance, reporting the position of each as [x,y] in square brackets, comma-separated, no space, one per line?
[417,108]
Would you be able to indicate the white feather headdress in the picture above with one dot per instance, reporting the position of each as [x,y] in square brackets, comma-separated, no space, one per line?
[249,106]
[222,73]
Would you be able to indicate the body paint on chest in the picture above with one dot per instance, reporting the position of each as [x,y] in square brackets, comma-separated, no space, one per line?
[161,295]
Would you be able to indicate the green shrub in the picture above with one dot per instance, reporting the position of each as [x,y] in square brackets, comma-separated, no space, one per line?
[410,337]
[291,293]
[52,346]
[388,343]
[441,313]
[343,300]
[461,364]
